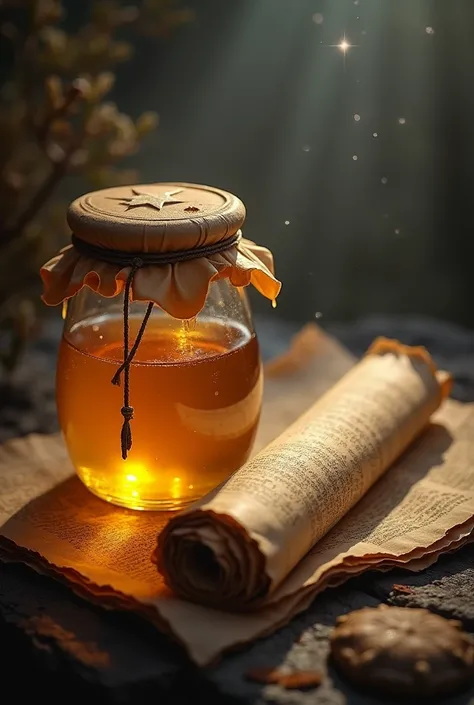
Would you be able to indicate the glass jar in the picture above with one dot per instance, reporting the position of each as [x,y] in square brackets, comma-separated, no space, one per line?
[196,388]
[159,381]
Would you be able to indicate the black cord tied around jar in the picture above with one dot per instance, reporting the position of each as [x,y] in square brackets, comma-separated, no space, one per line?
[137,260]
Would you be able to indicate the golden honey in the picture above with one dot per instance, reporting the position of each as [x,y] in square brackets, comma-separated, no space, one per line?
[196,392]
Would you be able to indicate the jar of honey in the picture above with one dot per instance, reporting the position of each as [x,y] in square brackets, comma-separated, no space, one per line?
[159,380]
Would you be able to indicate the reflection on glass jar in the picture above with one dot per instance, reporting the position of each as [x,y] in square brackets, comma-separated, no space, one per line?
[196,390]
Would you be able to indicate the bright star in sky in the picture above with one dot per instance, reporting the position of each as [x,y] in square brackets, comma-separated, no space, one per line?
[344,45]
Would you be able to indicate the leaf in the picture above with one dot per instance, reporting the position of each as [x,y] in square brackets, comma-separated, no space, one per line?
[404,589]
[54,90]
[296,680]
[47,12]
[146,123]
[103,84]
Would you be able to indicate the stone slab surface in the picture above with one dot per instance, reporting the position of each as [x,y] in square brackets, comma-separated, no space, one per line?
[56,646]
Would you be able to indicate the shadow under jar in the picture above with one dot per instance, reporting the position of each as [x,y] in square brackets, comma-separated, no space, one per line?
[194,384]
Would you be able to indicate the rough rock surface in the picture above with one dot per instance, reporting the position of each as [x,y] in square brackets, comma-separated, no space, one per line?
[446,588]
[55,645]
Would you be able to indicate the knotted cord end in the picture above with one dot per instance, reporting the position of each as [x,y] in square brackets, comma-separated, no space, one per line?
[126,435]
[127,410]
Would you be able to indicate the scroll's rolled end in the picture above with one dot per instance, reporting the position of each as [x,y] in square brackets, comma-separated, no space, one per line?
[210,559]
[382,345]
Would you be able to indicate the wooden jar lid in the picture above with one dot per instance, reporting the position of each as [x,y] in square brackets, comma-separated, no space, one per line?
[156,217]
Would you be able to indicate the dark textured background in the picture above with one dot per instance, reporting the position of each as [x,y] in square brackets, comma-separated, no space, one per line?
[252,97]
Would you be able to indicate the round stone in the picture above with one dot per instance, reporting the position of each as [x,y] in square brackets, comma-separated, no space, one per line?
[403,651]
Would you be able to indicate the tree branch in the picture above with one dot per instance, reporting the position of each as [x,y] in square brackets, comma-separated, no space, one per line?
[58,170]
[73,93]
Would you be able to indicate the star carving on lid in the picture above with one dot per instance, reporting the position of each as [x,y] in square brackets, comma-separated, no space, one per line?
[151,200]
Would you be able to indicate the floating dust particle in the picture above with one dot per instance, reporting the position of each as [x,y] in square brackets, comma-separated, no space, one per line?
[318,314]
[355,157]
[318,18]
[402,121]
[397,231]
[384,180]
[357,117]
[375,134]
[306,148]
[287,222]
[429,30]
[297,680]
